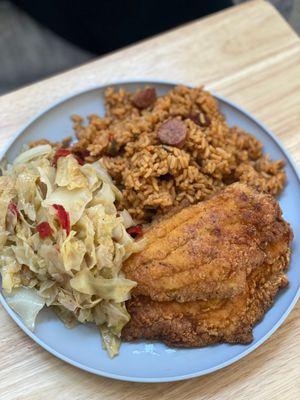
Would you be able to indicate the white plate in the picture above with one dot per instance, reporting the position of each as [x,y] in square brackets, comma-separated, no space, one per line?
[155,362]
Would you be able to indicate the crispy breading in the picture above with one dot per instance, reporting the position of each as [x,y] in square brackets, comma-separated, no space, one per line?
[206,251]
[201,323]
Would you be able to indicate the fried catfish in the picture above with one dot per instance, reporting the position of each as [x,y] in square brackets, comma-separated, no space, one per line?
[207,251]
[205,322]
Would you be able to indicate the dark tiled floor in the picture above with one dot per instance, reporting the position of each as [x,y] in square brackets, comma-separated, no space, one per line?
[37,53]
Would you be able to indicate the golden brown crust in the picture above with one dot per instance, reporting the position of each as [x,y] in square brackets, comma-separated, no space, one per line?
[207,250]
[202,323]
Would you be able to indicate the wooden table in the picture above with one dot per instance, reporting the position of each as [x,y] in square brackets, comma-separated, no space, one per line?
[248,54]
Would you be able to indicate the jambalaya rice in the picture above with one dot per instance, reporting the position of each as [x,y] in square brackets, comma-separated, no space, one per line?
[155,177]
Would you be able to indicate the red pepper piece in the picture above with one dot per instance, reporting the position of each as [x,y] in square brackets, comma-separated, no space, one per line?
[44,229]
[82,154]
[135,231]
[63,217]
[14,209]
[80,160]
[64,153]
[60,153]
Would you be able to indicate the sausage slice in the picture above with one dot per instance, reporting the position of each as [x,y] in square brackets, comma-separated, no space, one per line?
[172,132]
[201,119]
[144,99]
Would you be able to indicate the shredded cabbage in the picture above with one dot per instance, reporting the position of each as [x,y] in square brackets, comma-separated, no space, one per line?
[69,174]
[110,342]
[27,303]
[47,176]
[72,251]
[75,270]
[117,289]
[74,201]
[105,177]
[7,193]
[127,219]
[26,193]
[28,155]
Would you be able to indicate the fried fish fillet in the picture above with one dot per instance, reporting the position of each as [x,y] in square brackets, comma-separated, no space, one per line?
[201,323]
[206,251]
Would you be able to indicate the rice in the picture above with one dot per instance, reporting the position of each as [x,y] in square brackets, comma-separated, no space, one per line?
[154,177]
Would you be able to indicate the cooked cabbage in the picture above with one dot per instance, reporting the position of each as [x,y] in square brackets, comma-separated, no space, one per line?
[63,242]
[26,193]
[35,152]
[47,176]
[10,272]
[72,251]
[127,219]
[7,193]
[117,289]
[110,342]
[74,201]
[69,174]
[27,303]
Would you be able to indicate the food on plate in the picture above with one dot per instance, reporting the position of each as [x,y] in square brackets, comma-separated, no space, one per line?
[63,241]
[207,250]
[172,132]
[144,98]
[196,256]
[166,151]
[200,323]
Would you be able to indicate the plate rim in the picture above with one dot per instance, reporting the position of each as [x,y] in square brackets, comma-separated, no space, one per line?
[6,146]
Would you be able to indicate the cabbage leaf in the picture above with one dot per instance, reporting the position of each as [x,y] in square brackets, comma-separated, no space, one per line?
[110,342]
[117,289]
[27,304]
[32,153]
[74,201]
[7,193]
[72,251]
[69,174]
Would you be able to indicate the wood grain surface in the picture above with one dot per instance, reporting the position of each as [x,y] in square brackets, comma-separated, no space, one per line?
[248,54]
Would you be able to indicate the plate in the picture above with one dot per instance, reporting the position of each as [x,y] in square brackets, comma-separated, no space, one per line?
[153,361]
